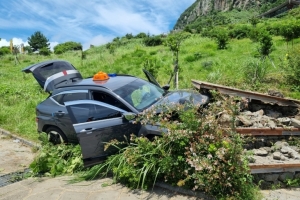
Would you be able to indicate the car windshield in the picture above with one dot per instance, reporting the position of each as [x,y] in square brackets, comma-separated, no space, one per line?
[140,94]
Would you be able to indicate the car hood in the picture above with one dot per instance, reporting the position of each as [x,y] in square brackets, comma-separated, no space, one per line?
[183,96]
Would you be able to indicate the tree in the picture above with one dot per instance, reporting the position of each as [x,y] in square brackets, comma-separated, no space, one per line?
[290,31]
[221,37]
[37,41]
[265,41]
[174,41]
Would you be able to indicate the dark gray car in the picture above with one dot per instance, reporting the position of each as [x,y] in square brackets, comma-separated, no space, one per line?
[95,111]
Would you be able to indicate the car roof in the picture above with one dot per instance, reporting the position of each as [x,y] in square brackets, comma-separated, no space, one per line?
[112,83]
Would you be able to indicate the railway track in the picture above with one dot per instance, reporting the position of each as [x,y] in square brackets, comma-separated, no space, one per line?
[266,170]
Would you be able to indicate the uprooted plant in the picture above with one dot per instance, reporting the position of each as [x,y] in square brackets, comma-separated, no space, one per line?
[53,160]
[194,153]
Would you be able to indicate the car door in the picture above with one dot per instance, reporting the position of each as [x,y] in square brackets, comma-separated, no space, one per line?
[51,73]
[60,114]
[96,124]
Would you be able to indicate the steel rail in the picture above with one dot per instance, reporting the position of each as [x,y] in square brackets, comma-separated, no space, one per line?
[274,168]
[247,94]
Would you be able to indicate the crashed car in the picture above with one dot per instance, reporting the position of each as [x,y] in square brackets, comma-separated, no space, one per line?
[96,110]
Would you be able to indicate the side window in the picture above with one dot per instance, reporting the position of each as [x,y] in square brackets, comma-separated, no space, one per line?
[61,98]
[89,112]
[106,98]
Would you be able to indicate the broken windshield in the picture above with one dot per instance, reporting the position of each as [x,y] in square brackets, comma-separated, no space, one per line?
[140,94]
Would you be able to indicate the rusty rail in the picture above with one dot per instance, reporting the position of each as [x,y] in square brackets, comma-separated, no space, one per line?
[274,168]
[247,94]
[268,131]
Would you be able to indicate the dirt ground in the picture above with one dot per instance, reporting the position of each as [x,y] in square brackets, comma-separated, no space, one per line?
[14,155]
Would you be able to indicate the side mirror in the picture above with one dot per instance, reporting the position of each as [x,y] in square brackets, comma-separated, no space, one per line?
[129,116]
[166,87]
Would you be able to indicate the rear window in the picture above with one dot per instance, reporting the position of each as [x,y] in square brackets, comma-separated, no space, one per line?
[53,68]
[62,98]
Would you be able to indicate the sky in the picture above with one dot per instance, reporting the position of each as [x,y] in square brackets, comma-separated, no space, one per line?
[88,22]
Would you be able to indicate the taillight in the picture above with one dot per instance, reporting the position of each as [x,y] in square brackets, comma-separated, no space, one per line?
[36,121]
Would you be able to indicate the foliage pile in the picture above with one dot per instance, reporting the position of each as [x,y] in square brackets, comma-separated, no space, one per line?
[194,154]
[56,160]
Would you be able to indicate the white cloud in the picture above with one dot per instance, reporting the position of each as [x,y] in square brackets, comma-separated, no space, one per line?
[96,41]
[52,45]
[16,42]
[88,22]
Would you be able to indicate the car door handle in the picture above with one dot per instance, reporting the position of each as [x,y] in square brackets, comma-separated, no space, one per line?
[87,130]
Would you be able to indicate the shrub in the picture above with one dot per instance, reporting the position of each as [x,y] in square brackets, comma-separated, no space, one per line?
[129,36]
[153,41]
[239,31]
[111,46]
[221,37]
[67,46]
[265,43]
[141,35]
[253,34]
[290,30]
[4,51]
[44,51]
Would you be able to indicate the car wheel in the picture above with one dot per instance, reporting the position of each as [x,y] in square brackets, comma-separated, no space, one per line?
[55,135]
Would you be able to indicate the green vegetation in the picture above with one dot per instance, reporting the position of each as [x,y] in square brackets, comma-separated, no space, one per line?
[56,160]
[67,46]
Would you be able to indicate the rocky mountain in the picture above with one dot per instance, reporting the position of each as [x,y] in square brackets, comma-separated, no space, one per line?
[206,7]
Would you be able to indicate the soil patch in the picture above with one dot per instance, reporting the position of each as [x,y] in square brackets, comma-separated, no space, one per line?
[14,155]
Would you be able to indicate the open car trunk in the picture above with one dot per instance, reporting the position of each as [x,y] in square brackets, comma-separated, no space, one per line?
[53,72]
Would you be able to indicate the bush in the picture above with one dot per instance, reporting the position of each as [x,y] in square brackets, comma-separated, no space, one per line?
[254,34]
[265,43]
[239,31]
[44,51]
[141,35]
[67,46]
[153,41]
[221,37]
[129,36]
[4,51]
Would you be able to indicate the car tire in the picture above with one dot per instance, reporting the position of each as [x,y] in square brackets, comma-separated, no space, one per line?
[55,135]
